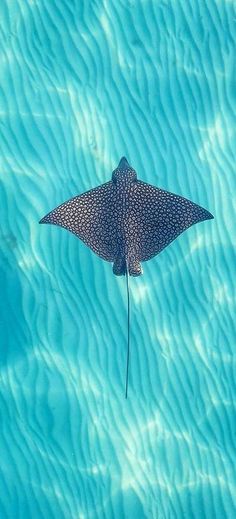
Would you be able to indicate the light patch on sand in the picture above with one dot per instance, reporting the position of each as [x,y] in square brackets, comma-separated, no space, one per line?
[7,57]
[106,27]
[214,480]
[43,115]
[165,343]
[26,262]
[34,3]
[88,384]
[140,293]
[57,89]
[37,115]
[52,359]
[154,426]
[98,469]
[227,358]
[121,61]
[184,435]
[197,244]
[215,138]
[164,338]
[222,294]
[201,349]
[227,403]
[128,482]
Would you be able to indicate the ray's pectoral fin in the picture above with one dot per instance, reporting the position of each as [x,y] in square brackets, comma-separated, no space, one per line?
[161,216]
[91,217]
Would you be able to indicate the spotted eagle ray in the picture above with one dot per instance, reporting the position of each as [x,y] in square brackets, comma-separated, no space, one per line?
[127,221]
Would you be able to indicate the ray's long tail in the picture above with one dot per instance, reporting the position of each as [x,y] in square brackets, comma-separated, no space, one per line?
[128,330]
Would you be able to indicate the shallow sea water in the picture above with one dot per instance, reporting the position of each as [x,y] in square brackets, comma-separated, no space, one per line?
[83,83]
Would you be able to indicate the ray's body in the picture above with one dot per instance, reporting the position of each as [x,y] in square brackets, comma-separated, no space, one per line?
[126,221]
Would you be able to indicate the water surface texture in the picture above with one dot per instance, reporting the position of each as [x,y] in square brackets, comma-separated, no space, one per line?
[82,84]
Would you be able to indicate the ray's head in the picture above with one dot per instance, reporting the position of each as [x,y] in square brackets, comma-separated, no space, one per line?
[124,173]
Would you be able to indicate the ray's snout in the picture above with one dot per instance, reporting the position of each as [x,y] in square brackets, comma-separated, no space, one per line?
[123,163]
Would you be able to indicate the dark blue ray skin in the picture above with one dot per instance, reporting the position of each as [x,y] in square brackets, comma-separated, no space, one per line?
[126,221]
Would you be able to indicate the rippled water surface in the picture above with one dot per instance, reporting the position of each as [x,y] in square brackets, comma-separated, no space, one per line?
[84,82]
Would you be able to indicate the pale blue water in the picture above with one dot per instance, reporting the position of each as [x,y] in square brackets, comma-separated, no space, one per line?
[82,84]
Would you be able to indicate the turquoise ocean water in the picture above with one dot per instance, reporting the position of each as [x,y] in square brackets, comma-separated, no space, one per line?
[82,83]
